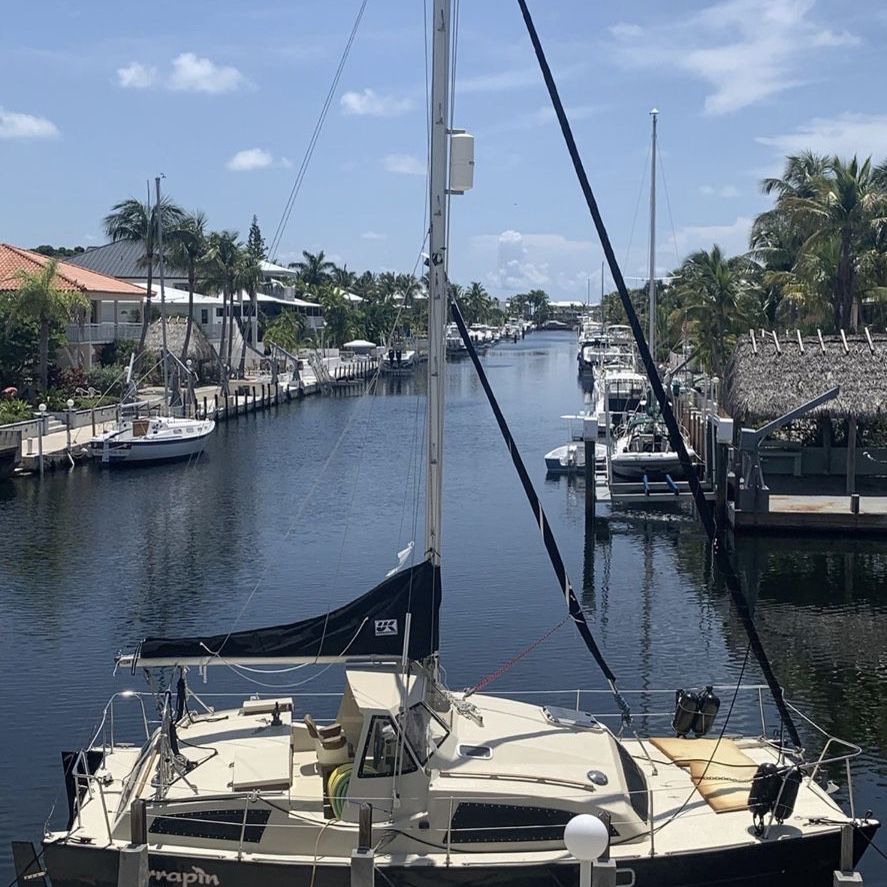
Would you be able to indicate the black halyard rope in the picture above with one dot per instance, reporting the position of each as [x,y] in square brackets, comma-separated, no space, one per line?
[554,555]
[674,434]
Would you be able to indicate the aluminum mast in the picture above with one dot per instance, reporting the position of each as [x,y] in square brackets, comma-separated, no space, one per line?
[651,336]
[437,278]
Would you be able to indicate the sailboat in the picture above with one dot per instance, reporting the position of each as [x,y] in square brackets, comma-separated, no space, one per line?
[138,436]
[460,787]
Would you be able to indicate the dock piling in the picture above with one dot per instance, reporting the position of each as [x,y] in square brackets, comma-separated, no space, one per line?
[845,876]
[589,440]
[363,859]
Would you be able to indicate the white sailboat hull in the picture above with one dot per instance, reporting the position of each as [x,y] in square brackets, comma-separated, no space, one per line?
[174,439]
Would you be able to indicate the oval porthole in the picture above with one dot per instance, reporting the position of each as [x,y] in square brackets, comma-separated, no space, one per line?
[475,751]
[597,777]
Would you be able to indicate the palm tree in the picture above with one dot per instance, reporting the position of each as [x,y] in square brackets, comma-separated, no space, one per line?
[137,222]
[187,245]
[801,175]
[475,303]
[342,277]
[713,292]
[845,205]
[337,314]
[314,270]
[39,300]
[219,270]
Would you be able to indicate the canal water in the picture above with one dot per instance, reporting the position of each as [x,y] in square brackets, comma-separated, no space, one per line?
[295,511]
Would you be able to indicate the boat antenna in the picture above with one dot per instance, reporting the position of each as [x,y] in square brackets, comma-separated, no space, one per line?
[677,442]
[554,555]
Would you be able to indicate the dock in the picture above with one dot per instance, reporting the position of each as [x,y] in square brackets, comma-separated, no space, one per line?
[814,514]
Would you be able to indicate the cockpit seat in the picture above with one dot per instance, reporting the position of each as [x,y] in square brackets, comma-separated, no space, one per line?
[330,743]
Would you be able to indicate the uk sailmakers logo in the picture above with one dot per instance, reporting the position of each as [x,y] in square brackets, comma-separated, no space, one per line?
[197,876]
[386,628]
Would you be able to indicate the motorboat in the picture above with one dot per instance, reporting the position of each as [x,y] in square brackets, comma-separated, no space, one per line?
[570,458]
[643,450]
[398,361]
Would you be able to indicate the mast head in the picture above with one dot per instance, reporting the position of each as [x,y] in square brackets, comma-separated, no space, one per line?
[654,112]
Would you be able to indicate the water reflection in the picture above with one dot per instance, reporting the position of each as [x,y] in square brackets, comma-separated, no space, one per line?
[299,510]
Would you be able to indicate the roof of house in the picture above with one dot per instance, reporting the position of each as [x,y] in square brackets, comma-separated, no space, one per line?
[122,258]
[765,381]
[14,259]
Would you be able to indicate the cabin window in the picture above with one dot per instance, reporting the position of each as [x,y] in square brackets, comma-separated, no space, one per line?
[425,731]
[222,825]
[636,783]
[383,748]
[477,823]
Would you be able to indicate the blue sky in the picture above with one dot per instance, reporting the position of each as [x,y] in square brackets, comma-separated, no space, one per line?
[222,97]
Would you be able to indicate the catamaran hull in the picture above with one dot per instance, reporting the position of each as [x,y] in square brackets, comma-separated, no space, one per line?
[805,862]
[142,451]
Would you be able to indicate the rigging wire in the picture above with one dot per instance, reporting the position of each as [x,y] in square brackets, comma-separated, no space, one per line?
[637,206]
[674,235]
[675,437]
[315,135]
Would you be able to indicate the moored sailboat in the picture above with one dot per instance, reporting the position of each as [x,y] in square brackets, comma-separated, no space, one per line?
[464,787]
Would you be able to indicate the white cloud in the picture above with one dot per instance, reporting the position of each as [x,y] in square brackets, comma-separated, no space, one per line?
[500,81]
[404,164]
[369,104]
[623,30]
[524,261]
[15,125]
[726,191]
[193,74]
[373,235]
[745,50]
[253,158]
[136,76]
[844,135]
[731,238]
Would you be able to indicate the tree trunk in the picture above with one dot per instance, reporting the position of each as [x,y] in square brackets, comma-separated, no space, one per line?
[43,368]
[191,283]
[252,307]
[222,374]
[845,281]
[146,308]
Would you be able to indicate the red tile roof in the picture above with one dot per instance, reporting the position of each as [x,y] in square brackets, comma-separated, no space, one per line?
[67,277]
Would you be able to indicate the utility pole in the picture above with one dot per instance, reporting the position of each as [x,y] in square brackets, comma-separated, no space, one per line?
[652,333]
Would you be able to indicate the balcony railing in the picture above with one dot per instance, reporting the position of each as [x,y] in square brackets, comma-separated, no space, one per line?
[102,333]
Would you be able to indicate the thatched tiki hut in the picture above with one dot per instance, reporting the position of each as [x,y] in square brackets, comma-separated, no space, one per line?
[771,374]
[200,351]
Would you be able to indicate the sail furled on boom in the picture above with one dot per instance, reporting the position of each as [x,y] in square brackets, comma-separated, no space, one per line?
[369,627]
[675,437]
[554,555]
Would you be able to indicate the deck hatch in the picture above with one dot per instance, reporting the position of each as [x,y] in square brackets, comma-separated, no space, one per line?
[220,825]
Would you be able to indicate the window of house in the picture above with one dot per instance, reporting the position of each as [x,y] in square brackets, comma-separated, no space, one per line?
[204,315]
[218,312]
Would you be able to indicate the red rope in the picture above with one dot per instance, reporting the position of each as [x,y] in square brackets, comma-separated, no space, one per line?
[494,676]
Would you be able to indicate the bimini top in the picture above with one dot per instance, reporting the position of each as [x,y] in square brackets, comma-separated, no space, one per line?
[370,628]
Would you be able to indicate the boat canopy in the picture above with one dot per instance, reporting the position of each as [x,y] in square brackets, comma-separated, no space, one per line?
[369,628]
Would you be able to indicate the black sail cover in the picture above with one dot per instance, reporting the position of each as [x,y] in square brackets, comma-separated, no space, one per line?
[372,626]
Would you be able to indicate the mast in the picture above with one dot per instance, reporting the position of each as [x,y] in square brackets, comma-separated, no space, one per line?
[157,209]
[651,336]
[437,277]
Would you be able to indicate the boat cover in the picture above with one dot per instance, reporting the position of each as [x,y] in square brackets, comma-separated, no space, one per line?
[372,626]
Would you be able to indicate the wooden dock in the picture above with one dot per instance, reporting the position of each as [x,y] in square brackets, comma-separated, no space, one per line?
[814,514]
